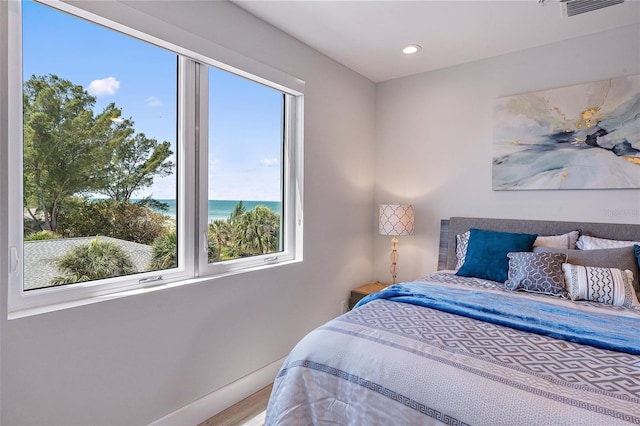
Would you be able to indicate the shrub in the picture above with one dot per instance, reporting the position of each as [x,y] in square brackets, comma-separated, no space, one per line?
[42,235]
[128,221]
[95,260]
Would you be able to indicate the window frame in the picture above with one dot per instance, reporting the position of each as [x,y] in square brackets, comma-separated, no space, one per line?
[291,179]
[192,194]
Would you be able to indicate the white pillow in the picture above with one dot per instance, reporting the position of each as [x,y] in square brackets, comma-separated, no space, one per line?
[611,286]
[586,242]
[563,241]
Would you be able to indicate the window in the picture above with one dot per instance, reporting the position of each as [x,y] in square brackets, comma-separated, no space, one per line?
[244,169]
[99,144]
[129,142]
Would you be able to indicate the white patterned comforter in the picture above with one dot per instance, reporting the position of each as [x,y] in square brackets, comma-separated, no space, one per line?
[391,363]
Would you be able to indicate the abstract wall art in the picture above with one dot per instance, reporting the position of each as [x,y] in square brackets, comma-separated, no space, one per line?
[585,136]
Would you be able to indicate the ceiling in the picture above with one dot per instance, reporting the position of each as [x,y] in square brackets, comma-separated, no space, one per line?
[367,36]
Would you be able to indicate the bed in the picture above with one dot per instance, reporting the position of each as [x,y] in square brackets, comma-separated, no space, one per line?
[463,346]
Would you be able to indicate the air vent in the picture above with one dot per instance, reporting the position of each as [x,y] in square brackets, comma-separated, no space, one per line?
[578,7]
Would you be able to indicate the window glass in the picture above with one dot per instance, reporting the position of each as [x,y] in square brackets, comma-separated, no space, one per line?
[99,151]
[245,167]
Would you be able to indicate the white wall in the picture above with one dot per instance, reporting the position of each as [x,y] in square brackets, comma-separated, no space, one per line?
[434,143]
[133,360]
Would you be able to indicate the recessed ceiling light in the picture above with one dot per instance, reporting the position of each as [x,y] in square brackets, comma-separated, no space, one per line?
[410,49]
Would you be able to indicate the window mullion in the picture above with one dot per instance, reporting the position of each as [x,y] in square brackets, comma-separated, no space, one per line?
[187,182]
[201,124]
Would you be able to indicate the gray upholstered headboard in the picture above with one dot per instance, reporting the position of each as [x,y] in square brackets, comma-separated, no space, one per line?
[449,228]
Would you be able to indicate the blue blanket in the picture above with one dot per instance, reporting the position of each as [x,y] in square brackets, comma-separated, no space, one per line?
[602,330]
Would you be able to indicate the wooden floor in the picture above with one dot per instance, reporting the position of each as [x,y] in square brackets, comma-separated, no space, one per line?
[248,412]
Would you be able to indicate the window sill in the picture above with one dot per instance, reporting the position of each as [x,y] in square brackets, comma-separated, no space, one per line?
[38,310]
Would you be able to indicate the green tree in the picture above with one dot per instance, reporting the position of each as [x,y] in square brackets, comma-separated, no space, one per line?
[213,250]
[93,261]
[70,151]
[256,232]
[134,163]
[165,252]
[65,145]
[220,234]
[123,220]
[237,212]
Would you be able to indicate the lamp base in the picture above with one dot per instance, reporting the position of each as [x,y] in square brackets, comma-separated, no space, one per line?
[394,259]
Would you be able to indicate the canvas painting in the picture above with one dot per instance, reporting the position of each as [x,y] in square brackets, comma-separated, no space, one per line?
[585,136]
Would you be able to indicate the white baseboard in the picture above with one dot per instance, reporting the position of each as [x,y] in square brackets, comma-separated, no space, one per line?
[223,398]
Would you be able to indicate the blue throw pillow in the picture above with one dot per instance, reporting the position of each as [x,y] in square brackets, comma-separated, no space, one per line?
[636,250]
[487,253]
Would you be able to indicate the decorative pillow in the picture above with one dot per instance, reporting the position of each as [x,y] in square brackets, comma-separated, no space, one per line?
[586,242]
[563,241]
[621,258]
[536,272]
[636,251]
[487,253]
[462,241]
[611,286]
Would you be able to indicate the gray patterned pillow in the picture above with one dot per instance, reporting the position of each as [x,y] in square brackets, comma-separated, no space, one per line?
[621,258]
[536,272]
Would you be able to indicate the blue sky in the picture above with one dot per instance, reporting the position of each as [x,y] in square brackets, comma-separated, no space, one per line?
[244,117]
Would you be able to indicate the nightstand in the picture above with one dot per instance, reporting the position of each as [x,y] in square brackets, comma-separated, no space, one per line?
[363,291]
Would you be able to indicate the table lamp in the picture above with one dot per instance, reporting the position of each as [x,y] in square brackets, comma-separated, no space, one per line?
[395,219]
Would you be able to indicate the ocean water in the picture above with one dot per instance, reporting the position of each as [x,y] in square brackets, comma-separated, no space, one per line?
[221,209]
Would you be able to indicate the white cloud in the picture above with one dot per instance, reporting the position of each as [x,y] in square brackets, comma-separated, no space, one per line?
[105,87]
[152,101]
[269,162]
